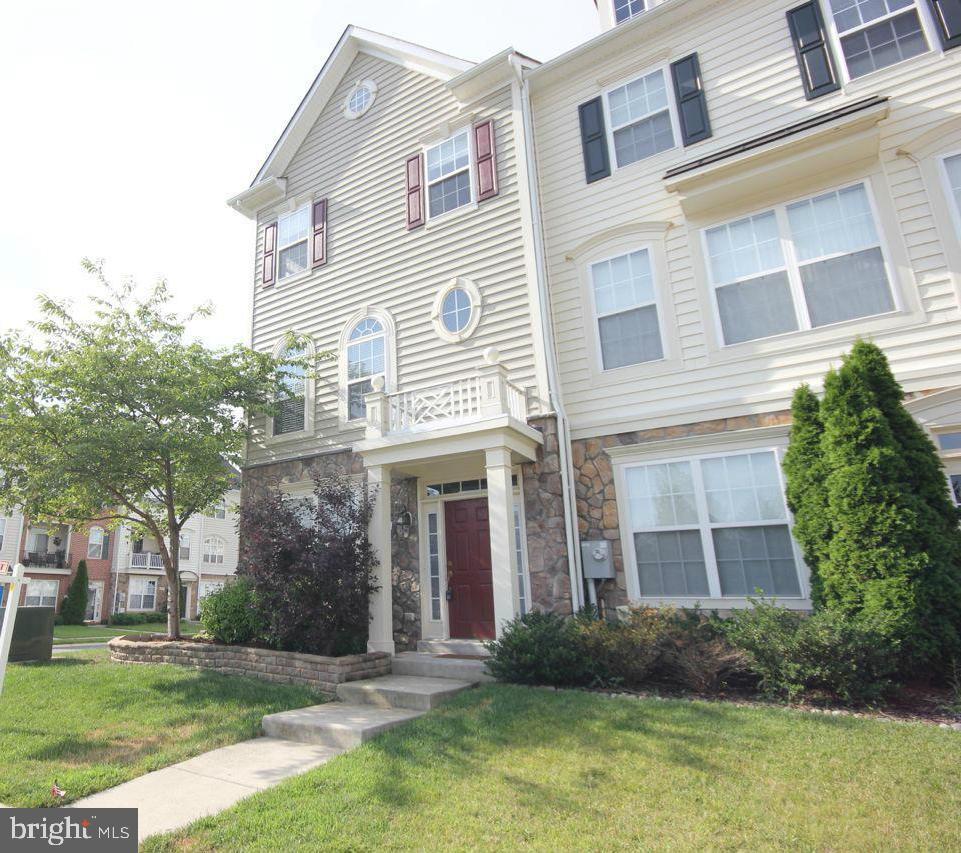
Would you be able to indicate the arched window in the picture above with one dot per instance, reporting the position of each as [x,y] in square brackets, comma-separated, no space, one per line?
[295,398]
[366,358]
[214,551]
[98,544]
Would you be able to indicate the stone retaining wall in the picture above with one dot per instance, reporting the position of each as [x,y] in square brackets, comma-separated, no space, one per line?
[321,673]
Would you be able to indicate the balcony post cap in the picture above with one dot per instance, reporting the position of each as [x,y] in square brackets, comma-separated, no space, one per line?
[492,355]
[377,384]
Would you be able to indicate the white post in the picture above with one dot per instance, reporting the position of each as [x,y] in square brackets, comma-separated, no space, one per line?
[381,636]
[378,412]
[493,384]
[11,598]
[500,506]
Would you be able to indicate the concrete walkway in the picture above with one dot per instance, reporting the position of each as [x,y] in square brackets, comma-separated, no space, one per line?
[171,798]
[77,647]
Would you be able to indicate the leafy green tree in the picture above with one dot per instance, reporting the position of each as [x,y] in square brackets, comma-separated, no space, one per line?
[894,555]
[121,411]
[74,607]
[806,487]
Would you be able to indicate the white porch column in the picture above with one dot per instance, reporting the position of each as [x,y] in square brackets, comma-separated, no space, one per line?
[500,503]
[381,637]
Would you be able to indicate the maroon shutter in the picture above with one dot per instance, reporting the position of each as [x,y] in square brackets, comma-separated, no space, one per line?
[486,162]
[415,191]
[319,245]
[270,246]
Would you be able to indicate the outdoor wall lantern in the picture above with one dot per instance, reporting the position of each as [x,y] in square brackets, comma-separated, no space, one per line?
[402,524]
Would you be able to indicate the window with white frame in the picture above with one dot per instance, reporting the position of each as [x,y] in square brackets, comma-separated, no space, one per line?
[448,174]
[220,510]
[293,232]
[952,173]
[433,564]
[3,529]
[625,305]
[877,33]
[41,594]
[456,310]
[955,481]
[519,553]
[291,403]
[640,114]
[360,98]
[213,551]
[209,588]
[366,358]
[142,594]
[806,264]
[184,545]
[98,544]
[624,10]
[711,526]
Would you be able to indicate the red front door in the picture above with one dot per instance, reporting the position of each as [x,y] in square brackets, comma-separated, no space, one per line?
[469,584]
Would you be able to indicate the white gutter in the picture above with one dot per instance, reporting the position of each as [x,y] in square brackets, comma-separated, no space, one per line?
[550,357]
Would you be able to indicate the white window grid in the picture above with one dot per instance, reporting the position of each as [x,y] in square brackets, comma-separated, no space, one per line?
[792,266]
[448,169]
[220,510]
[705,527]
[41,594]
[95,544]
[184,545]
[599,315]
[626,10]
[298,236]
[213,553]
[835,35]
[142,594]
[457,310]
[665,72]
[362,356]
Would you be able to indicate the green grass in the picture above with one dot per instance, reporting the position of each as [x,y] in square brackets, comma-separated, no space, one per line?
[512,768]
[91,724]
[66,634]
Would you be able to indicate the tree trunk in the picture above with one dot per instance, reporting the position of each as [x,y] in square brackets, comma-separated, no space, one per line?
[171,558]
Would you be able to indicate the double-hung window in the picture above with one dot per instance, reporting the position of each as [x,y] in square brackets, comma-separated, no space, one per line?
[626,307]
[184,545]
[220,510]
[41,594]
[293,233]
[624,10]
[98,544]
[142,594]
[711,527]
[291,401]
[366,348]
[952,174]
[214,551]
[874,34]
[449,174]
[640,118]
[806,264]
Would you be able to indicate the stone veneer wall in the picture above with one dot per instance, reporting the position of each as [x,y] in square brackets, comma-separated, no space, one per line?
[596,492]
[544,518]
[321,673]
[405,553]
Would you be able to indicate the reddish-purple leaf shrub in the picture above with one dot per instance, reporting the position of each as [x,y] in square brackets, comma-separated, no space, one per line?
[311,566]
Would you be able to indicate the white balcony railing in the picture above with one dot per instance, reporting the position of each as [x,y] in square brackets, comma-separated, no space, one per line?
[486,394]
[146,560]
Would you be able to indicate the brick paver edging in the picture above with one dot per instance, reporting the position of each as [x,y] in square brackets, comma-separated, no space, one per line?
[321,673]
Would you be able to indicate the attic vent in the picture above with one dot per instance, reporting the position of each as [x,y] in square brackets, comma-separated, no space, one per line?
[360,98]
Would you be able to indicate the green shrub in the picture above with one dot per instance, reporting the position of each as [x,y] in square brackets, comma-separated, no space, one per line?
[540,648]
[138,618]
[74,607]
[697,655]
[230,615]
[825,655]
[624,650]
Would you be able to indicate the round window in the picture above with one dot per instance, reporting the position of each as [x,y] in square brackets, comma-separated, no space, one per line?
[456,310]
[360,99]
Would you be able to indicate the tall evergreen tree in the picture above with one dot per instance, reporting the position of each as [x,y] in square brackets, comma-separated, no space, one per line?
[74,607]
[806,488]
[894,556]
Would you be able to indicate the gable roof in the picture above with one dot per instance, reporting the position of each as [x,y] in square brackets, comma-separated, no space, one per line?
[355,40]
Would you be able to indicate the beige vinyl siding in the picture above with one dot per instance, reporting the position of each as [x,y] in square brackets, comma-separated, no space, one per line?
[359,166]
[753,87]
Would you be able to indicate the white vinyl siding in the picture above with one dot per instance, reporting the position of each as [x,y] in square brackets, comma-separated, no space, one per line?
[810,263]
[41,594]
[3,531]
[874,34]
[711,527]
[142,594]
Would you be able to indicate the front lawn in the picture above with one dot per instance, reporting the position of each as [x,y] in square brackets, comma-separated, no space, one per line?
[66,634]
[512,768]
[90,724]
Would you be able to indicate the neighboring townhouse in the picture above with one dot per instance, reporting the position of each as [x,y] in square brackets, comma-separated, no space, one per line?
[394,231]
[120,569]
[731,194]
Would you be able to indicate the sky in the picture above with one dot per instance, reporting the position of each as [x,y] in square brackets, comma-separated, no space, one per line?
[127,126]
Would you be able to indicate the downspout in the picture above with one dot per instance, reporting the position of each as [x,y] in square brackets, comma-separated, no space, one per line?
[550,357]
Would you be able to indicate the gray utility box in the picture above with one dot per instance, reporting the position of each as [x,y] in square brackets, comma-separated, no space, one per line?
[596,560]
[33,633]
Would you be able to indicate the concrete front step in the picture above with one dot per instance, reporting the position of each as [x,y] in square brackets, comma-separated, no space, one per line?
[470,648]
[416,693]
[428,665]
[336,723]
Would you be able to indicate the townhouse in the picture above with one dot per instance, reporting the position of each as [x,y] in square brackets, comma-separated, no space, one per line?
[558,310]
[124,573]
